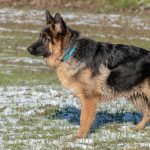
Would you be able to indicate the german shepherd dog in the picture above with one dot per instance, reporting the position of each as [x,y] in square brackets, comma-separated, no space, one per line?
[95,71]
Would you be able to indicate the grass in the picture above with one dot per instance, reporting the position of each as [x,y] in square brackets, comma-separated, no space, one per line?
[28,117]
[124,4]
[83,5]
[28,77]
[45,129]
[135,42]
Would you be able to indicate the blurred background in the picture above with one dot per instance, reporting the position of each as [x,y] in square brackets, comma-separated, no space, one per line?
[35,111]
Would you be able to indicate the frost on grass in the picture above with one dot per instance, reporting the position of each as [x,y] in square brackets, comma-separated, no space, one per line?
[36,17]
[47,116]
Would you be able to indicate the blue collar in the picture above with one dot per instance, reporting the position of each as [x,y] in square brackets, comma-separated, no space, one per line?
[69,52]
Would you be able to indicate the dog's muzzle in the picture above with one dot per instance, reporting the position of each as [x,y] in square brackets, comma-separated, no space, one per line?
[32,51]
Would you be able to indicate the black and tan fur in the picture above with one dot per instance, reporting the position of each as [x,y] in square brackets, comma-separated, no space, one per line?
[97,71]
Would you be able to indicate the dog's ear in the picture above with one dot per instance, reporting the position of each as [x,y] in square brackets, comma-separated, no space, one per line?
[49,18]
[60,25]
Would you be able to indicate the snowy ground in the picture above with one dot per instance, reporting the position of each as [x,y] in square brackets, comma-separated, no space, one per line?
[36,112]
[46,116]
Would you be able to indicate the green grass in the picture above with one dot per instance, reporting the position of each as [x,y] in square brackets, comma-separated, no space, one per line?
[124,4]
[134,42]
[30,127]
[28,77]
[83,5]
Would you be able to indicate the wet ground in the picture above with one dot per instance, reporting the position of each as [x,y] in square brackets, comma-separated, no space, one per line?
[36,112]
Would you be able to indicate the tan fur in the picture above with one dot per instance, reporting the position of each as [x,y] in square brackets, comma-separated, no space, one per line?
[92,90]
[54,59]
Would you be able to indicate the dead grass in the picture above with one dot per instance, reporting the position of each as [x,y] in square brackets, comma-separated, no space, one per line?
[83,5]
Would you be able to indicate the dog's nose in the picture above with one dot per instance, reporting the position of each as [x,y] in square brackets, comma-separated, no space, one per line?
[30,49]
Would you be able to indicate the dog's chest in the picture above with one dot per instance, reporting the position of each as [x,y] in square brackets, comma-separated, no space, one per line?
[67,74]
[75,77]
[79,79]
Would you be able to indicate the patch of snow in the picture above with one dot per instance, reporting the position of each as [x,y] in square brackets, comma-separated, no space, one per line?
[41,95]
[7,37]
[36,17]
[22,59]
[116,25]
[18,30]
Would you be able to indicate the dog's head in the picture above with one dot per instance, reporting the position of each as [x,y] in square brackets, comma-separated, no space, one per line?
[54,38]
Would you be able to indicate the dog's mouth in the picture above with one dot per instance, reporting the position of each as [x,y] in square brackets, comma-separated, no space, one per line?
[47,54]
[39,53]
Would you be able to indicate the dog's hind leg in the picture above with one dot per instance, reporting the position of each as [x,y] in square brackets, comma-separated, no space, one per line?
[141,104]
[141,101]
[143,122]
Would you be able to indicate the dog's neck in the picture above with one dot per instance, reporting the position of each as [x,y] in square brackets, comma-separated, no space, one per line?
[69,53]
[69,46]
[69,41]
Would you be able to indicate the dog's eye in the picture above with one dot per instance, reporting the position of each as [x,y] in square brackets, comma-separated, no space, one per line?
[48,38]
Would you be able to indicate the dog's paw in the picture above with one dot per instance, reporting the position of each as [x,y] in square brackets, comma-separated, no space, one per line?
[137,128]
[80,135]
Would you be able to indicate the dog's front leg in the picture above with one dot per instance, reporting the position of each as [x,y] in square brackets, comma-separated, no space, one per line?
[87,116]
